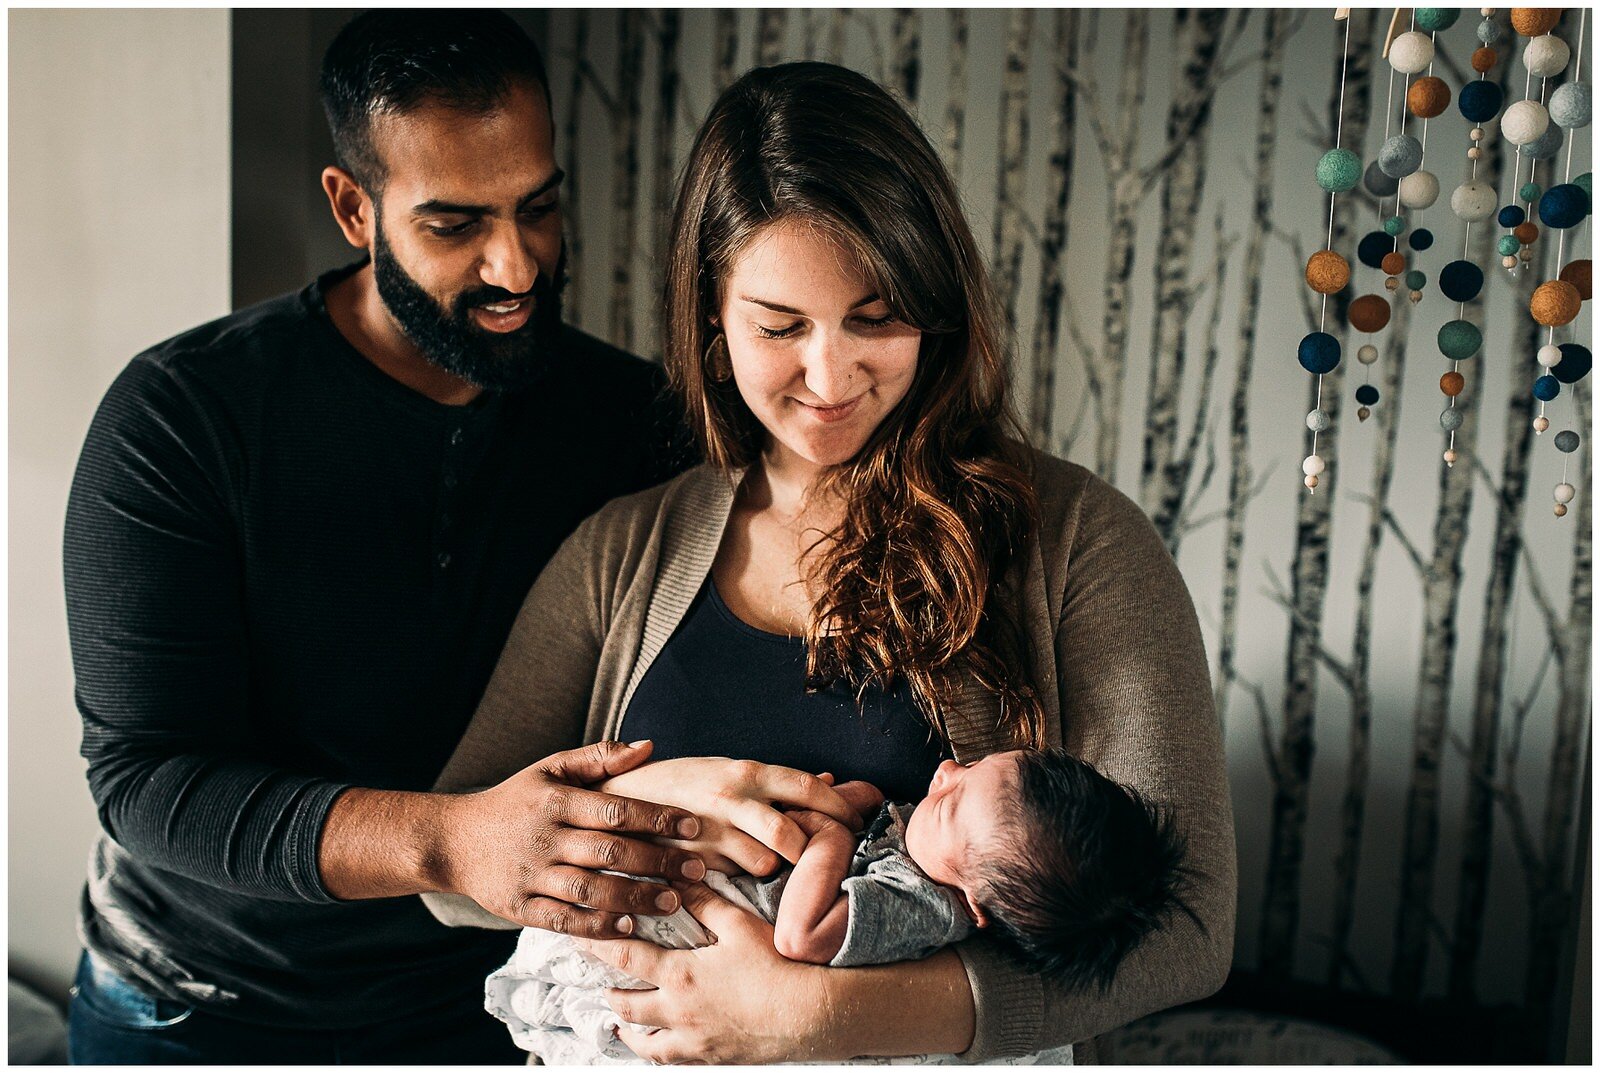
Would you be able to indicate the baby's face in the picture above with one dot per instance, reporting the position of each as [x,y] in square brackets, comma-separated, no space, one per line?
[954,827]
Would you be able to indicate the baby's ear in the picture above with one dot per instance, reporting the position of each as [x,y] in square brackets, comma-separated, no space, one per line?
[974,910]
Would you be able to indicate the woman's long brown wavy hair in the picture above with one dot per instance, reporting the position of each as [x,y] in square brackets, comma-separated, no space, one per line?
[937,503]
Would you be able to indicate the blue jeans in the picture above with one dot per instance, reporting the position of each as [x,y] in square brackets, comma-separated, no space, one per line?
[112,1021]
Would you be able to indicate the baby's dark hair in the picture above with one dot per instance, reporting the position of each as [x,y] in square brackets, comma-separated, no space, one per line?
[1092,869]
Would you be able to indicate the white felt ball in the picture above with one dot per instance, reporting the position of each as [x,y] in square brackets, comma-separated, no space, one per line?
[1473,200]
[1571,105]
[1313,465]
[1549,355]
[1367,354]
[1411,52]
[1524,121]
[1564,493]
[1546,55]
[1419,190]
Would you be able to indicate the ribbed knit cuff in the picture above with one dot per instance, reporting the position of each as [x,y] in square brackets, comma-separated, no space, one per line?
[1008,1004]
[309,816]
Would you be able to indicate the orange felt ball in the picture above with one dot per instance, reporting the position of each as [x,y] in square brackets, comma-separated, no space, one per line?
[1327,272]
[1452,383]
[1370,313]
[1533,21]
[1394,263]
[1526,232]
[1483,59]
[1577,274]
[1555,302]
[1428,97]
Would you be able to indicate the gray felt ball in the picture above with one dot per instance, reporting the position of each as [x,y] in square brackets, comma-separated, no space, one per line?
[1377,183]
[1451,419]
[1400,156]
[1545,145]
[1571,105]
[1567,440]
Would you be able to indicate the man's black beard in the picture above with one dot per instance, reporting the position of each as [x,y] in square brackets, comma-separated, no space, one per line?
[494,361]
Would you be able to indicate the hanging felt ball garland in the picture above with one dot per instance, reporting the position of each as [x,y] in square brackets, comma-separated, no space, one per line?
[1327,272]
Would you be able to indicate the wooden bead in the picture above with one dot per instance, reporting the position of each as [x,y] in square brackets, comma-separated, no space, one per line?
[1363,412]
[1508,261]
[1311,482]
[1451,383]
[1428,97]
[1474,153]
[1527,232]
[1577,273]
[1392,283]
[1394,263]
[1476,134]
[1533,21]
[1370,313]
[1414,297]
[1483,61]
[1450,457]
[1561,510]
[1555,302]
[1327,272]
[1541,423]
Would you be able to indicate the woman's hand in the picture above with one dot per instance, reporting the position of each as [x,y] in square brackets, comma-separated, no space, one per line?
[738,1001]
[739,804]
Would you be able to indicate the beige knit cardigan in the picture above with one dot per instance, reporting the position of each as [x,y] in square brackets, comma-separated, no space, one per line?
[1114,644]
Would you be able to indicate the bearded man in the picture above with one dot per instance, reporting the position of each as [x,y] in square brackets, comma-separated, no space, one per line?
[295,543]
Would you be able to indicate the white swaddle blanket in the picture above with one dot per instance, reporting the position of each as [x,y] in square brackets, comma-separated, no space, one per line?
[551,995]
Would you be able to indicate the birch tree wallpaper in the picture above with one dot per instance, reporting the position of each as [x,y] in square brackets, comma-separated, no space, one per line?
[1401,658]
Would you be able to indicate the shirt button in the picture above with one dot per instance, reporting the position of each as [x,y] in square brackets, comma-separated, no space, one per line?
[444,560]
[456,437]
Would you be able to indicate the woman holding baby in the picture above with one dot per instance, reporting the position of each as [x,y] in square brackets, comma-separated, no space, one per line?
[867,577]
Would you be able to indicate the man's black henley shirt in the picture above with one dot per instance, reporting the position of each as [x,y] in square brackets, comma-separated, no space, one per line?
[288,574]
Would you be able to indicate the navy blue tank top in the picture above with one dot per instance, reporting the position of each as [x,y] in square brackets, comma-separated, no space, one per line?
[721,687]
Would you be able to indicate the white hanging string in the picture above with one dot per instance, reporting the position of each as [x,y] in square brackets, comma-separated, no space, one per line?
[1333,197]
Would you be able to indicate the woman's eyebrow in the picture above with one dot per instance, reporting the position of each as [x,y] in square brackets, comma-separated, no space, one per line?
[778,308]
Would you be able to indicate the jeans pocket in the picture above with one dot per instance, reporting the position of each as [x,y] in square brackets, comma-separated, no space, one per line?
[112,999]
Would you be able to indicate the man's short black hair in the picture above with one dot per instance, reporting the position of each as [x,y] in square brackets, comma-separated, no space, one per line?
[390,61]
[1093,869]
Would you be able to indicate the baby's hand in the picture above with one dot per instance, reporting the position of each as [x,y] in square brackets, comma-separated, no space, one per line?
[864,797]
[814,823]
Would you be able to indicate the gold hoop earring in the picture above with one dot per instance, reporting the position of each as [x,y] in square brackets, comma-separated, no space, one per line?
[718,365]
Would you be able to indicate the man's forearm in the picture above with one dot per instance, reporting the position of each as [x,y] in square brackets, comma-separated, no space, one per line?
[384,844]
[911,1007]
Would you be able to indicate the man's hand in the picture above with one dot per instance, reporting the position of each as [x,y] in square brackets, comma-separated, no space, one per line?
[528,850]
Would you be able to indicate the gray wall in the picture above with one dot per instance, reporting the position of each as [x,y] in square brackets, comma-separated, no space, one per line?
[119,238]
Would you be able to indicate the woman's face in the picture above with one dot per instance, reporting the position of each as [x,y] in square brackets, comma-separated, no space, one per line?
[816,355]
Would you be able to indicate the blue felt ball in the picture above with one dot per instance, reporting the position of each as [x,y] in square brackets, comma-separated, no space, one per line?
[1459,339]
[1460,281]
[1563,206]
[1480,101]
[1319,353]
[1420,239]
[1372,247]
[1511,216]
[1546,388]
[1575,363]
[1400,155]
[1566,441]
[1366,394]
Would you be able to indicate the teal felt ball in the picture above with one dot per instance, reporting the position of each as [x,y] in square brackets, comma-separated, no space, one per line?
[1530,191]
[1584,181]
[1434,19]
[1416,279]
[1508,245]
[1338,170]
[1459,339]
[1394,225]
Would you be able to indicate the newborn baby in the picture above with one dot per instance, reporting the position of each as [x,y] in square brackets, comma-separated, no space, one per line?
[1065,867]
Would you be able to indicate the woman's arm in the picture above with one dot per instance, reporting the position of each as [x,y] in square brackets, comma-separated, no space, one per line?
[1136,703]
